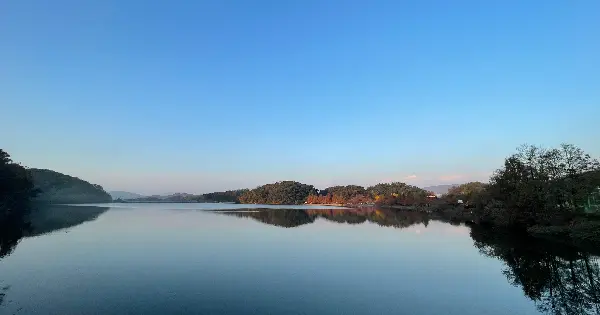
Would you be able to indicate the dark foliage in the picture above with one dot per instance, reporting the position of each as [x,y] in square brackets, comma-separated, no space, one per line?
[225,196]
[280,193]
[538,186]
[16,189]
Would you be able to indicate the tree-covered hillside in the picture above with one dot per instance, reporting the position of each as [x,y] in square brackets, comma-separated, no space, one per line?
[59,188]
[282,193]
[225,196]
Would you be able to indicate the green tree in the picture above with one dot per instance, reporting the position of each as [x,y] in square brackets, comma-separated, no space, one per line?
[16,186]
[542,186]
[280,193]
[224,196]
[16,190]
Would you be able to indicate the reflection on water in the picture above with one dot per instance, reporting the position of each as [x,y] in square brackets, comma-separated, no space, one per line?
[39,221]
[293,217]
[42,220]
[12,229]
[559,279]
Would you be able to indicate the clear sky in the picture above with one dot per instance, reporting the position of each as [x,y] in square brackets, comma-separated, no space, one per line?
[196,96]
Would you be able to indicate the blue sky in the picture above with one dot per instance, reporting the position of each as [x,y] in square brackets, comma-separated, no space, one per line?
[196,96]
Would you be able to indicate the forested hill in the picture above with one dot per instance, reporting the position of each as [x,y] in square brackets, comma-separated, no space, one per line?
[280,193]
[59,188]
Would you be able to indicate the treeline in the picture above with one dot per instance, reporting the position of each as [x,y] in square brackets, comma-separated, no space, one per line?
[382,194]
[280,193]
[294,193]
[224,196]
[547,192]
[290,192]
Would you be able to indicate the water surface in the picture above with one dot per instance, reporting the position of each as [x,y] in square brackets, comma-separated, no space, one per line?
[187,259]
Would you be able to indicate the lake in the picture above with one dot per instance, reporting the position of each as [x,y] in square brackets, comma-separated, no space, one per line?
[236,259]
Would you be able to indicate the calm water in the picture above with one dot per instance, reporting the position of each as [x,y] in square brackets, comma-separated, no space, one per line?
[187,259]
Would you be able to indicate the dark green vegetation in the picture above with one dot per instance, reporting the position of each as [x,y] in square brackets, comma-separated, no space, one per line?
[289,192]
[58,188]
[16,190]
[544,192]
[286,192]
[225,196]
[16,186]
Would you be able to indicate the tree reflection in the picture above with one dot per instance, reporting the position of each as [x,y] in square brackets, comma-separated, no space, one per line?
[297,217]
[286,218]
[16,225]
[13,226]
[560,279]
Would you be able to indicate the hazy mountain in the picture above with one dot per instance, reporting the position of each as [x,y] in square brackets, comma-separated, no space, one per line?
[124,195]
[58,188]
[440,189]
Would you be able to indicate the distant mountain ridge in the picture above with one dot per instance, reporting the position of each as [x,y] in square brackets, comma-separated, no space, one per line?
[440,189]
[124,195]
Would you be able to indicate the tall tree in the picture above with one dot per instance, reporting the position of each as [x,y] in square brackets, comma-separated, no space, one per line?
[16,189]
[285,192]
[544,186]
